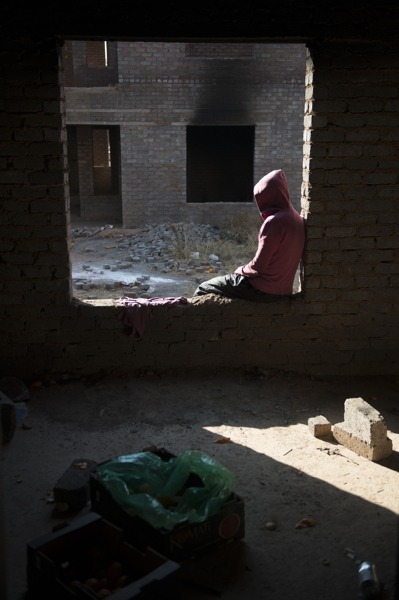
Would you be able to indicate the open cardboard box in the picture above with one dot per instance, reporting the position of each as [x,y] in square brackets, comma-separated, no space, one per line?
[81,560]
[187,540]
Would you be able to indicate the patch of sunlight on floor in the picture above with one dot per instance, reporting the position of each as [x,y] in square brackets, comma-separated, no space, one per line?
[322,458]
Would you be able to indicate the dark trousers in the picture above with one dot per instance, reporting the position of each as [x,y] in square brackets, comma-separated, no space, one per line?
[235,286]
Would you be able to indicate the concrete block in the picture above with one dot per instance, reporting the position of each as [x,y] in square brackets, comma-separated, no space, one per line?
[363,430]
[71,491]
[319,426]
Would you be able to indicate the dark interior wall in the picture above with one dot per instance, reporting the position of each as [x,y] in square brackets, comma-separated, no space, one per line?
[346,322]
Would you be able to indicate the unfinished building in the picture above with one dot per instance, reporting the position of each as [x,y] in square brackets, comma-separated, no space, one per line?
[166,131]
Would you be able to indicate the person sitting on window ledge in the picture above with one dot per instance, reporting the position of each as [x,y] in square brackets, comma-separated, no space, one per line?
[270,275]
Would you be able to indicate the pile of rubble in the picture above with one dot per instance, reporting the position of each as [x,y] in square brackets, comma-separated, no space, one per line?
[139,262]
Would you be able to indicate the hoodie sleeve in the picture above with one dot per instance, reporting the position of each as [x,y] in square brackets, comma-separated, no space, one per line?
[268,242]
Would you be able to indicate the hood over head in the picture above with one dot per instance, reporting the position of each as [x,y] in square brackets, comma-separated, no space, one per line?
[271,193]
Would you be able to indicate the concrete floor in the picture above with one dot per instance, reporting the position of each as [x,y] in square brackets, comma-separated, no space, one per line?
[281,471]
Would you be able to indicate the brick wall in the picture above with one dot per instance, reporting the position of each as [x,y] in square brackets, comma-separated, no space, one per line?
[164,87]
[347,321]
[353,245]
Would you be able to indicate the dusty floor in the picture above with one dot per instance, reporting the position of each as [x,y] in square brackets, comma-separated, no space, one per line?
[282,472]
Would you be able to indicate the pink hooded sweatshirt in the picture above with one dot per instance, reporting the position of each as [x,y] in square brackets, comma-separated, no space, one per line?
[281,238]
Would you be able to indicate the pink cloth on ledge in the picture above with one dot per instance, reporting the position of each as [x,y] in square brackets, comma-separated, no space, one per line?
[136,311]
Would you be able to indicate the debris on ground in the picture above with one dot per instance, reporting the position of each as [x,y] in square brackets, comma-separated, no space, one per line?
[306,522]
[147,262]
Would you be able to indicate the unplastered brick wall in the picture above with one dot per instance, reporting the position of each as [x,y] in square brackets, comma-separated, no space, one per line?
[163,87]
[345,323]
[352,266]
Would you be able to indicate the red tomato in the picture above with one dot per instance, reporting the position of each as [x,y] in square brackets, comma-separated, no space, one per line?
[115,570]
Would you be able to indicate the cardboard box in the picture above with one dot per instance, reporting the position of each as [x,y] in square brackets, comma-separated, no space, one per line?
[187,540]
[90,555]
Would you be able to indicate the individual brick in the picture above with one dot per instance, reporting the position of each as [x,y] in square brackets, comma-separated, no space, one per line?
[363,430]
[319,426]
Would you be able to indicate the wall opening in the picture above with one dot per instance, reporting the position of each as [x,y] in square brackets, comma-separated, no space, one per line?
[97,54]
[168,139]
[90,64]
[94,172]
[220,163]
[106,169]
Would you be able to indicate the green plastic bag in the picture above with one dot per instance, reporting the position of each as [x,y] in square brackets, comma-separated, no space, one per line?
[159,491]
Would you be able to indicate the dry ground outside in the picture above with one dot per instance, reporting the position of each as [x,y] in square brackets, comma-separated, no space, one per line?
[282,472]
[109,261]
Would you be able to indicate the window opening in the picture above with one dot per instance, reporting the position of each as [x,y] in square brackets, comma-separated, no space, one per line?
[220,163]
[97,54]
[184,132]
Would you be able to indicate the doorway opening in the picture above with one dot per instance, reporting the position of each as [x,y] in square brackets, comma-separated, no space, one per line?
[94,172]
